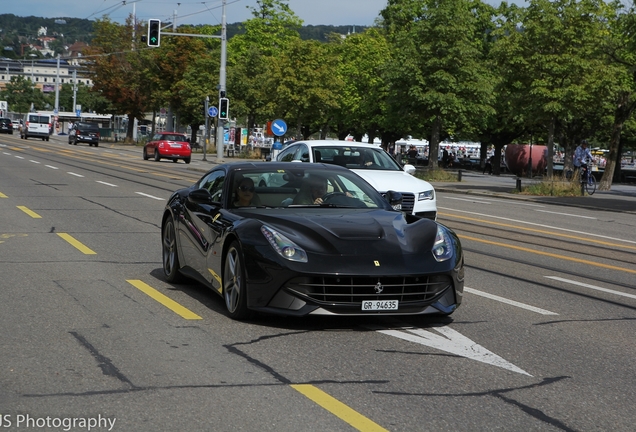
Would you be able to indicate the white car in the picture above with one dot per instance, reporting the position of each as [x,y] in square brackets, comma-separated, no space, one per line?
[373,164]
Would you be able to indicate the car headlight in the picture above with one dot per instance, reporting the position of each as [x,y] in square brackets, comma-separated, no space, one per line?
[443,246]
[427,195]
[284,246]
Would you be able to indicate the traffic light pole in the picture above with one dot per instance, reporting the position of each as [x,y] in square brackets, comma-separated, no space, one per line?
[220,129]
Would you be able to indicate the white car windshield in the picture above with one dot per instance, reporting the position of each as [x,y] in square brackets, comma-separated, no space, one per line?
[356,157]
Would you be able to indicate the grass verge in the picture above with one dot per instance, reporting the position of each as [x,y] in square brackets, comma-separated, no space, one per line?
[555,186]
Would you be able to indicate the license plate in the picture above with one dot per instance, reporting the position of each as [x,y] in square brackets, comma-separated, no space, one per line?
[375,305]
[175,146]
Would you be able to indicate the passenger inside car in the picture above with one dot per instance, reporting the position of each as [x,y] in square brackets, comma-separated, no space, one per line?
[244,194]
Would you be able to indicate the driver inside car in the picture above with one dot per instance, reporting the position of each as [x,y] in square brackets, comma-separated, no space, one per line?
[312,191]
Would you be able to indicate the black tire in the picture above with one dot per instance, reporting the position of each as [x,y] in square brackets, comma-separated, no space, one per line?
[187,160]
[96,144]
[234,283]
[74,142]
[175,160]
[157,156]
[47,138]
[590,185]
[169,252]
[145,154]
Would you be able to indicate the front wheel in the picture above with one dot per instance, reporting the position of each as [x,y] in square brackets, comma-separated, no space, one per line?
[157,156]
[145,154]
[234,284]
[590,185]
[170,253]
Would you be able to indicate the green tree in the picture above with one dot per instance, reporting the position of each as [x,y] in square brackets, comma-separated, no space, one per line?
[20,93]
[266,36]
[620,48]
[118,72]
[362,60]
[442,84]
[303,87]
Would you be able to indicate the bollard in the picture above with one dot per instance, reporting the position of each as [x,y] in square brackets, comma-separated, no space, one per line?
[459,175]
[519,184]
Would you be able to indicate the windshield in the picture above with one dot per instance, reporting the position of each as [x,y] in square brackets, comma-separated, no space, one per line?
[301,187]
[356,157]
[169,137]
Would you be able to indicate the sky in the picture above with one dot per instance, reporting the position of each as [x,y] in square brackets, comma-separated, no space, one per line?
[312,12]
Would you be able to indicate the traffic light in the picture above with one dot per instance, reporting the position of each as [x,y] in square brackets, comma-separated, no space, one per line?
[154,32]
[224,108]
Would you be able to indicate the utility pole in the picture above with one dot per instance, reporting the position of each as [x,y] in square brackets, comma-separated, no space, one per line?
[220,129]
[74,89]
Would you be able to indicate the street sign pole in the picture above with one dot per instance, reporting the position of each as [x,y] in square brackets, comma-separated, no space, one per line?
[207,127]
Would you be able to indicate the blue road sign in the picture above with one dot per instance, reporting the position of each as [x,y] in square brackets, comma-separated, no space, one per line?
[213,111]
[279,127]
[78,113]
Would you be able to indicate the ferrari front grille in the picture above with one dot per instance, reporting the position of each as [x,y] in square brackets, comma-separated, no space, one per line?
[354,289]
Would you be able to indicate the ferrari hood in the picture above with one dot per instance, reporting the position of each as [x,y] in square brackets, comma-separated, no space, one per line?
[355,232]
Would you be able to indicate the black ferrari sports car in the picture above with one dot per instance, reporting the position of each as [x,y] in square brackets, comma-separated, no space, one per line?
[317,240]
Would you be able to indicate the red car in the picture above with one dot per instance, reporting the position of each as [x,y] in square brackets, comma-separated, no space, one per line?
[168,145]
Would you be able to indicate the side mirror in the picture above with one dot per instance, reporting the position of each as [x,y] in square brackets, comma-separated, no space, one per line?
[395,199]
[200,196]
[409,169]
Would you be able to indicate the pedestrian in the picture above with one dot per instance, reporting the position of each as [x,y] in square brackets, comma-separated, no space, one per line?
[445,158]
[488,165]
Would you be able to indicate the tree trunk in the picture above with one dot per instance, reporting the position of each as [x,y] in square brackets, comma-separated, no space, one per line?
[612,157]
[551,147]
[623,110]
[433,144]
[131,127]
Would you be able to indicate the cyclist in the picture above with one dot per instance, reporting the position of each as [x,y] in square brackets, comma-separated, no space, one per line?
[582,156]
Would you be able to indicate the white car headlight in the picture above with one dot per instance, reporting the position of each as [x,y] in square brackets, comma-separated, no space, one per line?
[443,246]
[284,246]
[426,195]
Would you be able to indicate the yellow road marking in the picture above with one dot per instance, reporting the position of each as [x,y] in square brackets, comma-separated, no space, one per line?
[563,257]
[164,300]
[556,234]
[337,408]
[3,195]
[31,213]
[84,249]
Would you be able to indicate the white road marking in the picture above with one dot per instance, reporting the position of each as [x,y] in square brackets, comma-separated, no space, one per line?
[469,200]
[540,225]
[107,184]
[510,302]
[34,161]
[149,196]
[453,342]
[74,174]
[501,201]
[567,214]
[19,157]
[592,287]
[51,166]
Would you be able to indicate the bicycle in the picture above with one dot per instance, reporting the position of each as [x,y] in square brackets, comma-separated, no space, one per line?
[588,182]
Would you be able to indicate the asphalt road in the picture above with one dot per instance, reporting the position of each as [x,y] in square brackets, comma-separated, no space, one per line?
[91,330]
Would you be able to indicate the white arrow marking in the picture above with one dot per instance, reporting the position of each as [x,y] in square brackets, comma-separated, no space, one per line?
[454,343]
[279,127]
